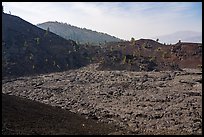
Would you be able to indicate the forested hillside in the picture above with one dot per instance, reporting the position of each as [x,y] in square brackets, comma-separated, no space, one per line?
[80,35]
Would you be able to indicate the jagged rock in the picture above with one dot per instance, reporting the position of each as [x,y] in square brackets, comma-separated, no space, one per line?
[165,77]
[130,100]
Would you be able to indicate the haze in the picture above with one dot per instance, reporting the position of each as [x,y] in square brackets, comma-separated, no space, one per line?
[121,19]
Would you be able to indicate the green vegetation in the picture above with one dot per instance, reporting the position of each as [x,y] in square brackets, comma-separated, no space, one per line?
[47,31]
[142,67]
[165,55]
[158,49]
[199,45]
[88,58]
[129,62]
[152,58]
[133,42]
[124,60]
[114,58]
[200,66]
[135,53]
[77,47]
[81,35]
[58,66]
[111,48]
[102,60]
[37,41]
[31,56]
[146,45]
[25,44]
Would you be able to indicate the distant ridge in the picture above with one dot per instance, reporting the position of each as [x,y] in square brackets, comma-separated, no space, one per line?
[184,36]
[80,35]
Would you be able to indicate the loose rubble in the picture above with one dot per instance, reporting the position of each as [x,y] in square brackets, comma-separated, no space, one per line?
[165,102]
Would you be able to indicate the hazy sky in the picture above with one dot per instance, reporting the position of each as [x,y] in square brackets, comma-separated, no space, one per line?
[120,19]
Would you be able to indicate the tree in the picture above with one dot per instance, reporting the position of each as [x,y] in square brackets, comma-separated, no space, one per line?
[25,44]
[47,31]
[37,41]
[157,40]
[132,41]
[124,60]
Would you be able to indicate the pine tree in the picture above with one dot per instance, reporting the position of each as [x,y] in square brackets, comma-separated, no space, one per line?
[132,41]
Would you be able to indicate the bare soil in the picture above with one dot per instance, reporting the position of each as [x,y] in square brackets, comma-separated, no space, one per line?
[21,116]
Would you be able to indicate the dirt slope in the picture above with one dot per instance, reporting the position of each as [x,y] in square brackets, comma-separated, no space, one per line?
[29,50]
[25,117]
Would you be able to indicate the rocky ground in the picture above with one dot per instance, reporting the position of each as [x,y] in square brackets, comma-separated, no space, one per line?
[165,102]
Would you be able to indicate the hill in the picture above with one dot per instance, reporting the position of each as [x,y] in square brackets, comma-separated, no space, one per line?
[149,55]
[27,49]
[184,36]
[81,35]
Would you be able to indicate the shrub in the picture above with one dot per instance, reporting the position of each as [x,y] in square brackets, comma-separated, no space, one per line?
[47,31]
[124,60]
[58,66]
[158,49]
[152,58]
[133,42]
[199,66]
[144,45]
[31,56]
[165,55]
[25,44]
[37,41]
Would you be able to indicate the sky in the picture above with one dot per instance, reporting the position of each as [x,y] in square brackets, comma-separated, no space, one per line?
[121,19]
